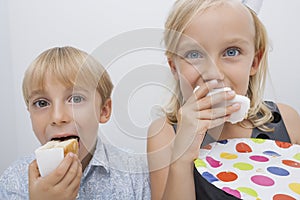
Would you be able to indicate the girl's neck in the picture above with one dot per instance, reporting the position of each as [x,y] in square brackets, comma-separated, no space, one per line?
[228,131]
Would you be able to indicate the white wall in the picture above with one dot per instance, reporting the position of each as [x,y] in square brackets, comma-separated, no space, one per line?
[29,27]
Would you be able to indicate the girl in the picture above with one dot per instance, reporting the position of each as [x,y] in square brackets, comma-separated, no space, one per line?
[211,44]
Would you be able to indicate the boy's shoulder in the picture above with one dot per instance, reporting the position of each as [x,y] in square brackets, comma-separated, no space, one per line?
[126,160]
[18,167]
[14,180]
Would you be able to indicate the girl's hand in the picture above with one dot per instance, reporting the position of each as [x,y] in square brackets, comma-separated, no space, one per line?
[63,183]
[196,116]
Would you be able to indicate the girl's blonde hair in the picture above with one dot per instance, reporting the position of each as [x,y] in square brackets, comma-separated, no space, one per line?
[179,18]
[70,66]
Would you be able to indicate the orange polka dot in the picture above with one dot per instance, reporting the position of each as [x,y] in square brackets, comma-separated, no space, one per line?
[291,163]
[282,197]
[243,148]
[227,176]
[283,145]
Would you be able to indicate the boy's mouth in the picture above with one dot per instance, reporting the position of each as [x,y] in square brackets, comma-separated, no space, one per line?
[65,138]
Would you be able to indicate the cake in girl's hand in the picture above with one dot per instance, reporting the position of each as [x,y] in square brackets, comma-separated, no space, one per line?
[239,115]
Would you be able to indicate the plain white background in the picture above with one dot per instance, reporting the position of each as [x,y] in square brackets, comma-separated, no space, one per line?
[29,27]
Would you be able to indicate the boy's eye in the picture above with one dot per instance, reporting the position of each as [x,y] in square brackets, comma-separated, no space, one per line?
[41,103]
[232,52]
[193,55]
[76,99]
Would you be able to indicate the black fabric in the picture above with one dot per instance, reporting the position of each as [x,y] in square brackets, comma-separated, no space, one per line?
[280,133]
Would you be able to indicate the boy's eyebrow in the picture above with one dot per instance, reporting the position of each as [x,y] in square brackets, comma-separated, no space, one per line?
[70,89]
[35,92]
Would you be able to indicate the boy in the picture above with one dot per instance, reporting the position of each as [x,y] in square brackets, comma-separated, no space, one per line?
[68,93]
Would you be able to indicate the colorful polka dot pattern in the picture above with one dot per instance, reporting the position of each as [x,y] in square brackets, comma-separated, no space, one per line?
[252,168]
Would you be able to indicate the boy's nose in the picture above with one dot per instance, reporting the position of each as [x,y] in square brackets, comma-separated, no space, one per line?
[60,114]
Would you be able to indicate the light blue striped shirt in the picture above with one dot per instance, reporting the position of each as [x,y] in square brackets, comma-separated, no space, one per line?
[111,174]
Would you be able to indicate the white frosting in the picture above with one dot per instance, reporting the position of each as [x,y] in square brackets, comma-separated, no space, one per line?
[244,101]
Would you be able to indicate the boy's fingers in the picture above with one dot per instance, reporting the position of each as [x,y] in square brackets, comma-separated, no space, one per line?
[71,173]
[74,185]
[33,171]
[58,174]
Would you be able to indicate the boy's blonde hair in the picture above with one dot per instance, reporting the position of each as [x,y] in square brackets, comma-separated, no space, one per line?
[72,67]
[179,18]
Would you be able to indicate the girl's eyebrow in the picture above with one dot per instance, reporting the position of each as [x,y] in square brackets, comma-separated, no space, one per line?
[238,41]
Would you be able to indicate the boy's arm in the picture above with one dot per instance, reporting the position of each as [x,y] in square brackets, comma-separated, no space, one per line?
[63,183]
[291,120]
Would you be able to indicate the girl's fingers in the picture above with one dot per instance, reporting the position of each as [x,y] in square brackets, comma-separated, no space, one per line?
[202,91]
[211,101]
[215,113]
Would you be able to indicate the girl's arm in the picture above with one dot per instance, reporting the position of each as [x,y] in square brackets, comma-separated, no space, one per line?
[171,156]
[292,122]
[168,180]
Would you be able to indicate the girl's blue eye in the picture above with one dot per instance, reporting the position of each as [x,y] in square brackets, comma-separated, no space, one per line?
[232,52]
[193,55]
[41,103]
[76,99]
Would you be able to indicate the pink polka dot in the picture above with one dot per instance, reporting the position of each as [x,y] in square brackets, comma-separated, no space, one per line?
[262,180]
[259,158]
[213,162]
[233,192]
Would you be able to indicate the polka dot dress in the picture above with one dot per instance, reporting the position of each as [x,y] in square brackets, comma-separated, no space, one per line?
[252,168]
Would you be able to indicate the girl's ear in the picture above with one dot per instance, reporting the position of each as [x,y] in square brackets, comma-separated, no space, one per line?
[173,68]
[105,111]
[255,63]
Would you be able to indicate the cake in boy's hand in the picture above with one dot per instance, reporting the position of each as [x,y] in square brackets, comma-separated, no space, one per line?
[52,153]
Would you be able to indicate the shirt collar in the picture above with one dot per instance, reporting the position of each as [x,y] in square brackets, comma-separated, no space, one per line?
[99,158]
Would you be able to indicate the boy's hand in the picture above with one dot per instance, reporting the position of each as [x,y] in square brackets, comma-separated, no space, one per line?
[63,183]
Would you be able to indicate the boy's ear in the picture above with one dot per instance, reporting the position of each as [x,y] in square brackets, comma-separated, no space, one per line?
[255,63]
[105,112]
[173,68]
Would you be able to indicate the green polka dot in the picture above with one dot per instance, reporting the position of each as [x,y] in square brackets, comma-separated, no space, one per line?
[199,163]
[248,191]
[258,140]
[243,166]
[297,156]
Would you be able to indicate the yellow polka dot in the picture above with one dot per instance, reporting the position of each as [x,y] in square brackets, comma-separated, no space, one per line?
[258,140]
[243,166]
[295,187]
[248,191]
[228,156]
[199,163]
[297,156]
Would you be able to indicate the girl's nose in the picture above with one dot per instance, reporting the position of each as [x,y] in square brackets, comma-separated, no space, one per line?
[60,114]
[213,72]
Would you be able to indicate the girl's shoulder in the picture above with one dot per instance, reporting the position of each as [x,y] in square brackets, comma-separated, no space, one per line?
[160,133]
[291,119]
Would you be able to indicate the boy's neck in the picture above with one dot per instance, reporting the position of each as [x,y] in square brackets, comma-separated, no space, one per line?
[86,160]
